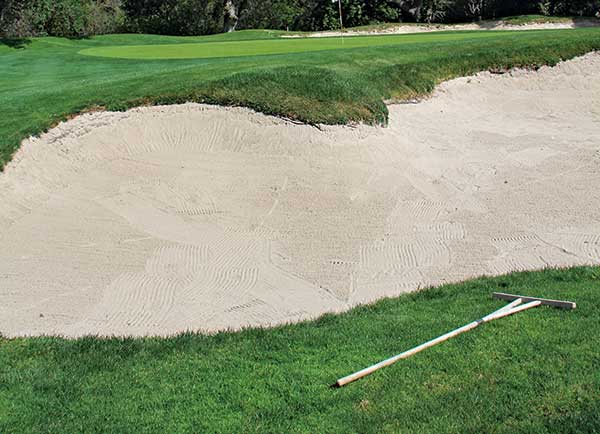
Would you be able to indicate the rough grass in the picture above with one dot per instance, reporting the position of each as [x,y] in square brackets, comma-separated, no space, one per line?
[533,372]
[519,20]
[43,81]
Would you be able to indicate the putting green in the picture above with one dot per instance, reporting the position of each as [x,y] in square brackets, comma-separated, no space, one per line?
[206,50]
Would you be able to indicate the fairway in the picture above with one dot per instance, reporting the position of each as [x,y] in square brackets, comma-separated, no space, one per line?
[207,50]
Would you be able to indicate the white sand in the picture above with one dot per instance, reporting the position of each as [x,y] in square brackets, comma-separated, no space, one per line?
[426,28]
[165,219]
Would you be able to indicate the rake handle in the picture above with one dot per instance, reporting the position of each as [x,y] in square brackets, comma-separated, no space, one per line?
[500,313]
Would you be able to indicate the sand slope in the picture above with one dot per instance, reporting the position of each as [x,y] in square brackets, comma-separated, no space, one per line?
[165,219]
[426,28]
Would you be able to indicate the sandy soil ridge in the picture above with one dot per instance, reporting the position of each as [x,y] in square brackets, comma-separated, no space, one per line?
[427,28]
[165,219]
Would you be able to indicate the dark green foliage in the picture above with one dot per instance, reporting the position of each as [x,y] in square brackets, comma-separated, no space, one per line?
[13,20]
[359,12]
[311,15]
[570,7]
[269,14]
[77,18]
[536,372]
[175,17]
[70,18]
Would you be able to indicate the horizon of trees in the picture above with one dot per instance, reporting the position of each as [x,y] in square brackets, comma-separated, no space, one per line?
[80,18]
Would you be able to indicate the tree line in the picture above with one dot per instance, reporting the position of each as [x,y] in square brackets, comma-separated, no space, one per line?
[80,18]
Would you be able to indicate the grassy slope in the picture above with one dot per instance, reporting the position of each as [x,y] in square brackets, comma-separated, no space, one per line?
[534,372]
[48,79]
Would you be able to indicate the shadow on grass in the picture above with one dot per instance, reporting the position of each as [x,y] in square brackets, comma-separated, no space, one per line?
[16,43]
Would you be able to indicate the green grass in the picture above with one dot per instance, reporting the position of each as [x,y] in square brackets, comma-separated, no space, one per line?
[207,50]
[536,372]
[43,81]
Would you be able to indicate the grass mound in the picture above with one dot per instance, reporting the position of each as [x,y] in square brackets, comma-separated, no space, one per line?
[533,372]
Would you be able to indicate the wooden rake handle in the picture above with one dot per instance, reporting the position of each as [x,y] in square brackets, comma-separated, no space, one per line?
[514,307]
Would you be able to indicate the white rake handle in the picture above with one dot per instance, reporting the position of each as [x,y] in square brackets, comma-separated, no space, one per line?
[509,309]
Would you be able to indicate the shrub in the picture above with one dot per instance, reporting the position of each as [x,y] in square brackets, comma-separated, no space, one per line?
[76,18]
[71,18]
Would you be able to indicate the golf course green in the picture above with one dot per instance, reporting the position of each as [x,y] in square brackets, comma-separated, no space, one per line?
[207,50]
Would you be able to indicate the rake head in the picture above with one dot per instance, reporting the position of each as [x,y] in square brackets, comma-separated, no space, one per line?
[554,303]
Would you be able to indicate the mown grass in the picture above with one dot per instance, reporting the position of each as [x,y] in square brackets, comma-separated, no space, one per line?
[537,371]
[206,50]
[43,81]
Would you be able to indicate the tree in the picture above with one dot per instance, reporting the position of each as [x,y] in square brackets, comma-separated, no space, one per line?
[13,18]
[434,10]
[474,9]
[271,14]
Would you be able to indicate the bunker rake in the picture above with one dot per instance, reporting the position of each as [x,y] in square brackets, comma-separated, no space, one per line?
[518,303]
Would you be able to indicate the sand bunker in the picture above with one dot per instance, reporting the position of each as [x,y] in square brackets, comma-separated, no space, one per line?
[426,28]
[165,219]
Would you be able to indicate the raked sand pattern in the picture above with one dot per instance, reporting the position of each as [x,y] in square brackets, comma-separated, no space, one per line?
[191,217]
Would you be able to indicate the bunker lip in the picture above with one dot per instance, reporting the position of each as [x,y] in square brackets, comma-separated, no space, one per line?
[191,217]
[428,28]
